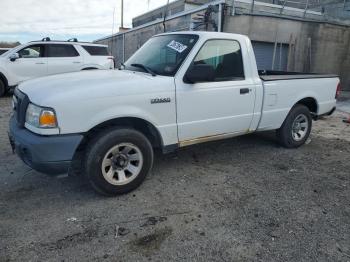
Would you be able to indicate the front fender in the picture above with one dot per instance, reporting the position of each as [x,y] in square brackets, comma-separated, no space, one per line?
[161,116]
[124,111]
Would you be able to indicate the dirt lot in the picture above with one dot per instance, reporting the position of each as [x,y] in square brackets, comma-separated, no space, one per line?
[243,199]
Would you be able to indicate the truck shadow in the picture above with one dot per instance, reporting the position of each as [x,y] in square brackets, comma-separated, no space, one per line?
[34,184]
[196,154]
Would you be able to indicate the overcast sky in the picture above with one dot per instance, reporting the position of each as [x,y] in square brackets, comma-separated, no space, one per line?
[26,20]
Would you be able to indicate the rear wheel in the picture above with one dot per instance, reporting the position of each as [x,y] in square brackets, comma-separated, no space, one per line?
[118,161]
[296,128]
[2,88]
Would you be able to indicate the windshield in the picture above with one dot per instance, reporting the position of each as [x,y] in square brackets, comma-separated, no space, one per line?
[162,54]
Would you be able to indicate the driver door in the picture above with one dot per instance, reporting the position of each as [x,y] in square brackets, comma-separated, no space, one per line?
[219,108]
[30,64]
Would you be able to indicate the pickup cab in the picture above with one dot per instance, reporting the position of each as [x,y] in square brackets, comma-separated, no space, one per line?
[178,89]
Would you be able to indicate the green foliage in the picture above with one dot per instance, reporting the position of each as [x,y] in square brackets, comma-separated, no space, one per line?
[9,44]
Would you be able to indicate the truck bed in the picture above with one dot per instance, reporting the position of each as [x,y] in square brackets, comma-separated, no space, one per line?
[283,89]
[270,75]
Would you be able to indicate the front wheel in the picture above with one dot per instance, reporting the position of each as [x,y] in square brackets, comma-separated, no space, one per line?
[118,160]
[296,128]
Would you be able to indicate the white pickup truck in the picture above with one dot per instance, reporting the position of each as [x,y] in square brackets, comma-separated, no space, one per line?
[177,90]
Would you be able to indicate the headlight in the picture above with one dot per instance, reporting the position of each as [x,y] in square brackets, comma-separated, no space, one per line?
[41,117]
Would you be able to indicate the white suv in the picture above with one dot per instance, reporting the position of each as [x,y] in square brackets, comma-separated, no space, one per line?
[45,57]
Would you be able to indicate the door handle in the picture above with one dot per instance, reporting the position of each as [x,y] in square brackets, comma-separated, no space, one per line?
[76,62]
[243,91]
[40,63]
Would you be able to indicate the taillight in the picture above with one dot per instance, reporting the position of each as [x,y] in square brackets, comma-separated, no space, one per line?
[337,93]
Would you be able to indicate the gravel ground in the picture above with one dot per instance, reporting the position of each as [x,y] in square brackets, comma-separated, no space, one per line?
[242,199]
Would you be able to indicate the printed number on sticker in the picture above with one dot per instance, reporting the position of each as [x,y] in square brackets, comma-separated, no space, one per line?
[177,46]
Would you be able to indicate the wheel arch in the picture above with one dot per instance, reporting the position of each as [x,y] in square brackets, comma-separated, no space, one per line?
[4,79]
[89,68]
[310,103]
[139,124]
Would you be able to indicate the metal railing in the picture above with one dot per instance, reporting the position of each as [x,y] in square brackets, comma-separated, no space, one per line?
[306,5]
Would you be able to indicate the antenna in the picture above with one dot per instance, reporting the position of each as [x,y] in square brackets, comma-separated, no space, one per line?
[164,16]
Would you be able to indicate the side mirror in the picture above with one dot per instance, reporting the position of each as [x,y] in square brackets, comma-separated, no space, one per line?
[14,57]
[200,73]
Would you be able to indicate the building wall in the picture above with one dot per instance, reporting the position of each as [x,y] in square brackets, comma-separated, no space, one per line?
[134,39]
[312,46]
[173,8]
[338,9]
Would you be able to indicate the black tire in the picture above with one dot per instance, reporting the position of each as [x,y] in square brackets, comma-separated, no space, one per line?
[285,133]
[100,146]
[2,88]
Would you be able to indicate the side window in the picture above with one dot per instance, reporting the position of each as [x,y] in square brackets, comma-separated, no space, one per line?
[61,50]
[33,51]
[225,57]
[96,50]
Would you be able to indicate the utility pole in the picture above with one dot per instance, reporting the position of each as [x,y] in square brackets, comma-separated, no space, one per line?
[122,16]
[112,32]
[164,16]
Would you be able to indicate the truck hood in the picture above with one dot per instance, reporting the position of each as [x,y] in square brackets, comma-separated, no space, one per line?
[84,85]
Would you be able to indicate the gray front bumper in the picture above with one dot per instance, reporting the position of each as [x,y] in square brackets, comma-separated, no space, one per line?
[46,154]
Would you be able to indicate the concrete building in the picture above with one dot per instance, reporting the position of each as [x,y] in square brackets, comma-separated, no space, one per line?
[283,37]
[173,8]
[333,9]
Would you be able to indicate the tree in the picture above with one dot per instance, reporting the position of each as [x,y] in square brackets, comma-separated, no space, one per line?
[9,44]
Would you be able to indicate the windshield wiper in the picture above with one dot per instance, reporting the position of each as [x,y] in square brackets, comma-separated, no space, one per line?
[145,68]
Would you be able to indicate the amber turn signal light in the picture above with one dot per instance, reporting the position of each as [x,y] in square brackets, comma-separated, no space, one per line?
[47,119]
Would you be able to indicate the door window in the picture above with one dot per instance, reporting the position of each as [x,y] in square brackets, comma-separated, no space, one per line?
[33,51]
[62,50]
[96,50]
[225,57]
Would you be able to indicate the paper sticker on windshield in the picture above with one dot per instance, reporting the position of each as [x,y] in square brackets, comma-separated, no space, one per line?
[177,46]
